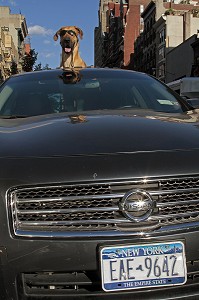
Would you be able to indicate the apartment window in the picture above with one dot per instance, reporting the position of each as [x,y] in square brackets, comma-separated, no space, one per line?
[4,28]
[161,70]
[162,36]
[161,53]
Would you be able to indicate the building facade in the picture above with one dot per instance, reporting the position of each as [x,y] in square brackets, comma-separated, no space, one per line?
[195,65]
[113,48]
[101,31]
[13,31]
[176,67]
[134,26]
[176,43]
[166,26]
[120,24]
[155,37]
[145,61]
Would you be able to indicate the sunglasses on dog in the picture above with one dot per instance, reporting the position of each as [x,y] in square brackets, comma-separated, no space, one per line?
[71,32]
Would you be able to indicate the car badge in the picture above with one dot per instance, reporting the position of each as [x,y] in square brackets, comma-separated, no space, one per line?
[137,205]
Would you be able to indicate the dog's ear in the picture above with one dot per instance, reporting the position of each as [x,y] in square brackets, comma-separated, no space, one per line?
[55,37]
[80,32]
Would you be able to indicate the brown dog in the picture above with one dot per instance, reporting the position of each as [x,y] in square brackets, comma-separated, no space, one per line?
[70,46]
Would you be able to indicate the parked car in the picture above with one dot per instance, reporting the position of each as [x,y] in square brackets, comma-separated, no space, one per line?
[194,102]
[188,88]
[99,187]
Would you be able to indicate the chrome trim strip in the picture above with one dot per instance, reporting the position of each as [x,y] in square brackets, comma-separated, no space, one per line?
[68,198]
[107,196]
[48,223]
[119,182]
[95,184]
[89,234]
[174,191]
[106,221]
[64,211]
[168,216]
[168,203]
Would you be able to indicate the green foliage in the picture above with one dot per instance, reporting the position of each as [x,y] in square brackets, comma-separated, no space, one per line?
[38,67]
[29,60]
[46,67]
[169,11]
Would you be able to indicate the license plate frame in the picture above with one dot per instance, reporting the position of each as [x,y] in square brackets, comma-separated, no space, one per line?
[166,261]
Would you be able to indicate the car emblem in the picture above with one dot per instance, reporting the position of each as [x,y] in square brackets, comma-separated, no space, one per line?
[137,205]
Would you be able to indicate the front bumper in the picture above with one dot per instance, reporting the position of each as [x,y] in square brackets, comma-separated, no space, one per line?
[46,269]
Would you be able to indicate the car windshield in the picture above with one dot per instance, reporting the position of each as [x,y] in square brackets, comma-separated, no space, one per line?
[48,92]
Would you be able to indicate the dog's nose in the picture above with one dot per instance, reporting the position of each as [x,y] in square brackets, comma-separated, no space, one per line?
[67,39]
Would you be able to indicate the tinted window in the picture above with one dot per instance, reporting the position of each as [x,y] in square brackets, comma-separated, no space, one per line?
[55,92]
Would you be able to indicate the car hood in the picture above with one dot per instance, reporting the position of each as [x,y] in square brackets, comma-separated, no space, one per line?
[98,133]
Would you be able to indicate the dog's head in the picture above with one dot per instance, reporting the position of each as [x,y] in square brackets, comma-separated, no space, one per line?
[68,38]
[70,76]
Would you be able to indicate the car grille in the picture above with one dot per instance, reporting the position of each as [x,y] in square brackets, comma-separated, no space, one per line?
[94,208]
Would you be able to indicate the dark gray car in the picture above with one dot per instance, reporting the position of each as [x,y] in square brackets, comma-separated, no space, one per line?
[99,187]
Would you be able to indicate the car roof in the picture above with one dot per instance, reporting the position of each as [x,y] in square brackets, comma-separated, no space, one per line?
[88,70]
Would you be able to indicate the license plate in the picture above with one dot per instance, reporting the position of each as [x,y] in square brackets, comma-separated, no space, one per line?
[143,266]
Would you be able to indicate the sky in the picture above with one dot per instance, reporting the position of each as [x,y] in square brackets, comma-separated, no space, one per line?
[45,17]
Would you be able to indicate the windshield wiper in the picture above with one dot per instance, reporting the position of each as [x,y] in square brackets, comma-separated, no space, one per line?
[13,117]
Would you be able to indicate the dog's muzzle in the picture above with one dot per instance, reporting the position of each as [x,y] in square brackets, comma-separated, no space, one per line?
[67,45]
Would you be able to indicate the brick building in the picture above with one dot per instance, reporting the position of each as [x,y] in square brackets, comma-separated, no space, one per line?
[123,26]
[133,27]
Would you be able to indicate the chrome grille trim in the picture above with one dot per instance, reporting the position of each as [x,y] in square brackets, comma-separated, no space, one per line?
[178,203]
[91,209]
[89,197]
[65,211]
[162,217]
[109,221]
[77,222]
[152,193]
